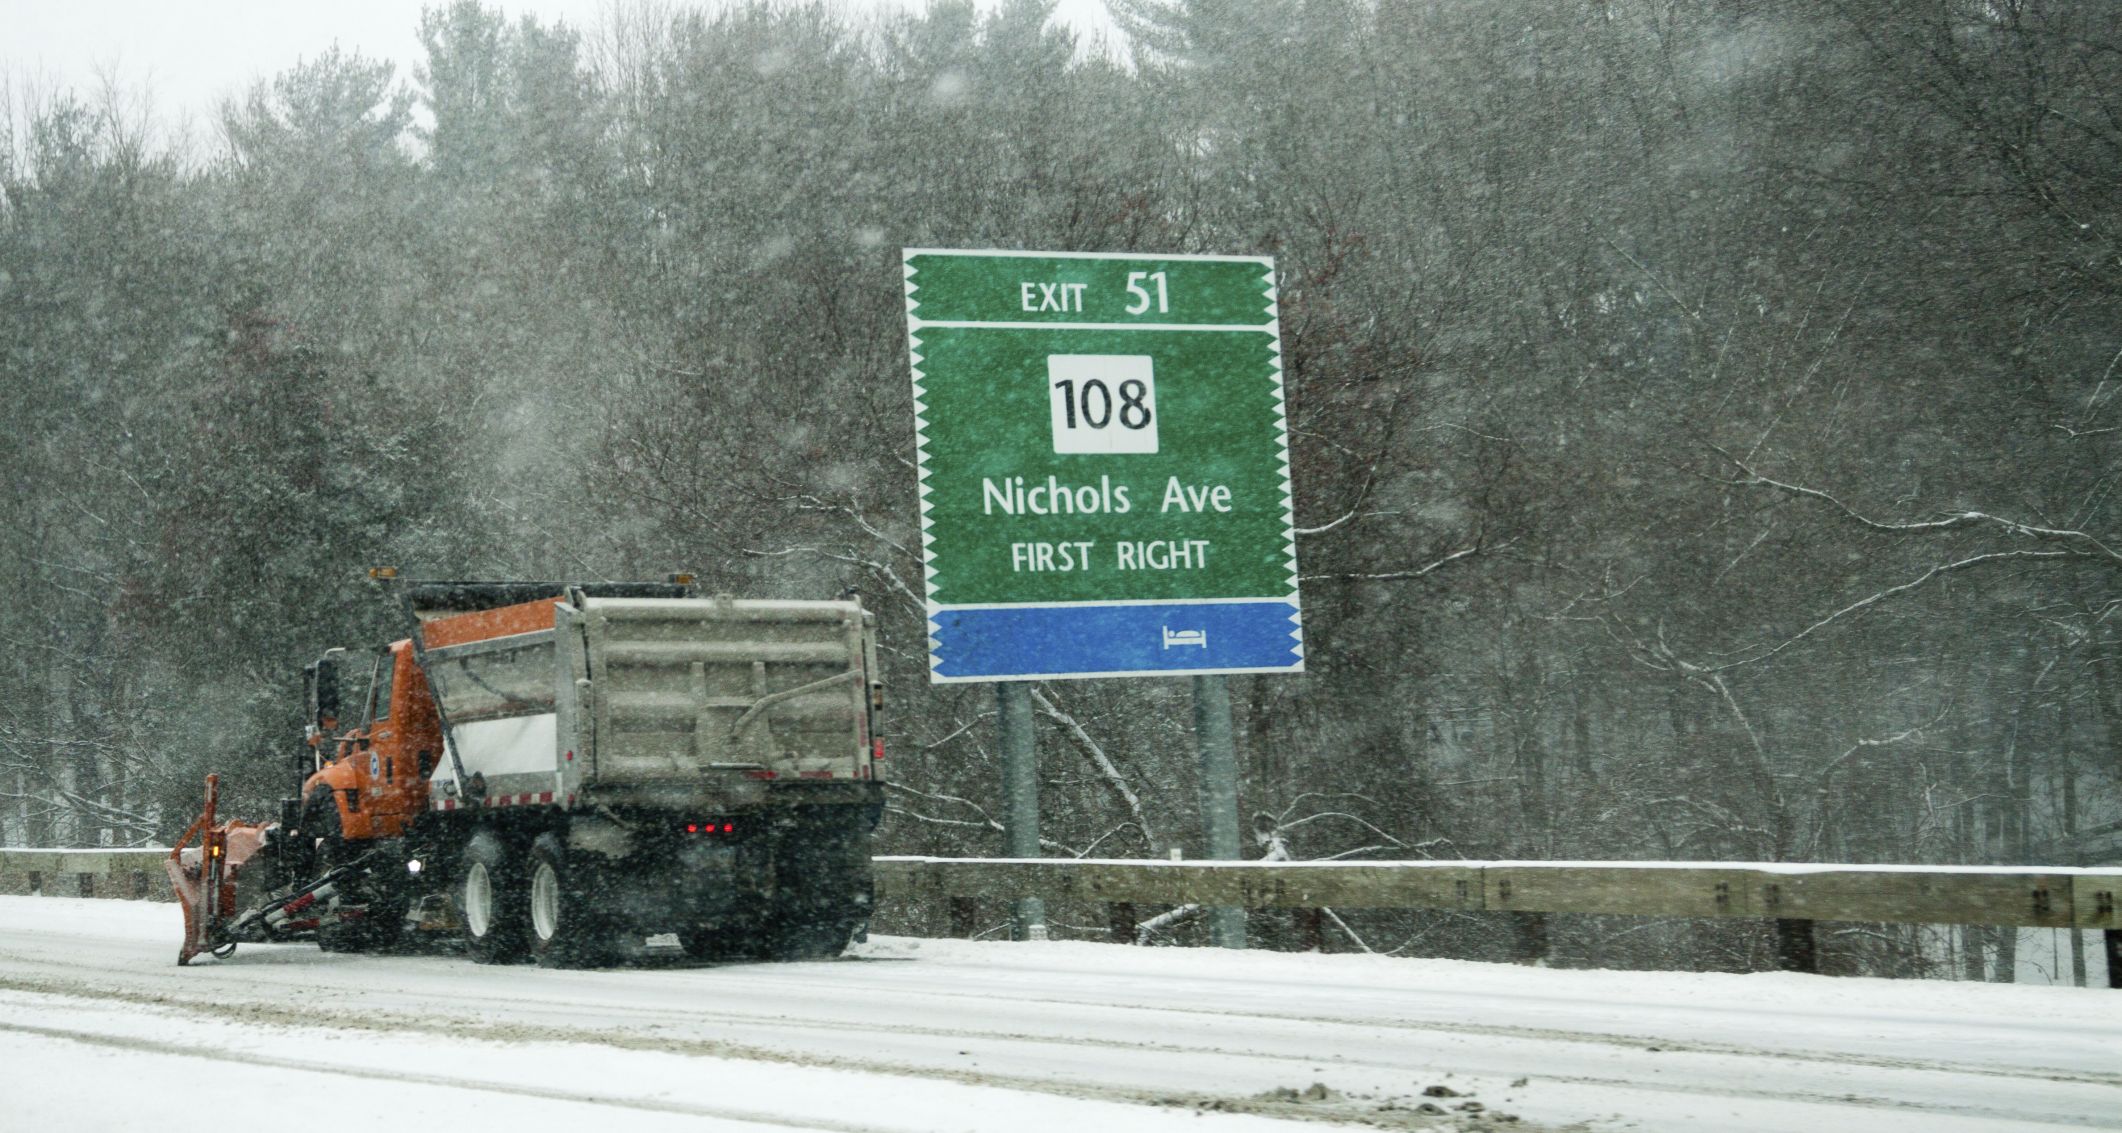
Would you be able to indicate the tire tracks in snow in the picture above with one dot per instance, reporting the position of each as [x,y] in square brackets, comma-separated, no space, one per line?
[304,983]
[1379,1112]
[503,1033]
[397,1077]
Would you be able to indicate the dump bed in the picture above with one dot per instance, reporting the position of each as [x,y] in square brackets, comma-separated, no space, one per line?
[583,700]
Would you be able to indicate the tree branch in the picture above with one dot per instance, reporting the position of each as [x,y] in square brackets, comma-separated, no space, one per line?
[1396,575]
[1752,478]
[1096,755]
[1875,599]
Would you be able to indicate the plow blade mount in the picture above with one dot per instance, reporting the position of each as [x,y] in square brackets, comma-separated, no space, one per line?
[204,875]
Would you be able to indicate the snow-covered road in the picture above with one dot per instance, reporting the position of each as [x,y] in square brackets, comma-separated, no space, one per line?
[99,1030]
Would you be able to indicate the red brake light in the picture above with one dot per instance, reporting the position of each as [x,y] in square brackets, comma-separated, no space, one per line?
[876,749]
[729,828]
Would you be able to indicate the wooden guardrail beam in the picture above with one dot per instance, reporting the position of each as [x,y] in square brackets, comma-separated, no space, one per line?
[1660,890]
[1293,885]
[95,863]
[1992,895]
[1916,895]
[126,873]
[2032,898]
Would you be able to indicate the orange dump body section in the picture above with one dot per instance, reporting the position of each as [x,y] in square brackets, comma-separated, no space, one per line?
[485,625]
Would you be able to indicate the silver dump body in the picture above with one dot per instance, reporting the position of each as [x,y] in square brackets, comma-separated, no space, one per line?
[689,702]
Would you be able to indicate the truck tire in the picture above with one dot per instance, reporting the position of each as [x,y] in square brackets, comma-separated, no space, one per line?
[492,901]
[823,888]
[568,930]
[821,939]
[383,918]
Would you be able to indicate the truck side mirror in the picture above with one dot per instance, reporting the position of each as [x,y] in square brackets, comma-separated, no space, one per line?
[323,690]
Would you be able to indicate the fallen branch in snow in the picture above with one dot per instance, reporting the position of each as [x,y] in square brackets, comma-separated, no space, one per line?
[1164,921]
[1351,933]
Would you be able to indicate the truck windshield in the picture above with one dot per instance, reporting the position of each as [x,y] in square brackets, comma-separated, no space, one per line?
[380,694]
[486,682]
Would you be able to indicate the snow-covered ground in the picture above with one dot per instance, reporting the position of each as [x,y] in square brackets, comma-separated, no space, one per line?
[100,1030]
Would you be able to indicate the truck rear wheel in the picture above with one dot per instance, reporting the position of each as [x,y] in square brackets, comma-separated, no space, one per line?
[492,902]
[812,940]
[823,887]
[567,928]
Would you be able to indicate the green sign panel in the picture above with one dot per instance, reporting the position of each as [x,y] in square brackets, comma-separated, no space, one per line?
[1104,465]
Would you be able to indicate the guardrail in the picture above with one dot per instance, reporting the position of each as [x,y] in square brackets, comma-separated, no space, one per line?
[1993,895]
[1794,896]
[134,874]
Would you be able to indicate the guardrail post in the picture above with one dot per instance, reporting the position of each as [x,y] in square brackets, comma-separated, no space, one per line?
[36,883]
[1796,948]
[1529,941]
[2114,957]
[1311,929]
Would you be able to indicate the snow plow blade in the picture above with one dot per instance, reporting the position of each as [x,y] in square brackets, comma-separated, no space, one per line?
[204,876]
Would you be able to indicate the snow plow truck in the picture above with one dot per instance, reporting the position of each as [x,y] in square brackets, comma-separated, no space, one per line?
[572,773]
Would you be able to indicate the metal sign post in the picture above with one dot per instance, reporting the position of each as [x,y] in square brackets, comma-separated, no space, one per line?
[1103,454]
[1020,782]
[1219,795]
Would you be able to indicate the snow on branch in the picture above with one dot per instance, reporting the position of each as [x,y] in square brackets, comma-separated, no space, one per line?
[1165,922]
[807,501]
[986,821]
[1873,600]
[961,729]
[882,570]
[1096,754]
[1351,933]
[1396,575]
[1752,478]
[1363,491]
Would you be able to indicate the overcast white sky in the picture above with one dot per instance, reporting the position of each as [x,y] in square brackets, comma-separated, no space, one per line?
[188,53]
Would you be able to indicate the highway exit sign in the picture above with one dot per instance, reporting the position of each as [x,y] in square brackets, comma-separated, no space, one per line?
[1103,454]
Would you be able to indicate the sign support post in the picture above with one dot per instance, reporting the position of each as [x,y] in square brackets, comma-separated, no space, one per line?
[1020,775]
[1219,795]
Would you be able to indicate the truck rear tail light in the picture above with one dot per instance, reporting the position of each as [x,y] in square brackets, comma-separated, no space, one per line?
[876,749]
[710,828]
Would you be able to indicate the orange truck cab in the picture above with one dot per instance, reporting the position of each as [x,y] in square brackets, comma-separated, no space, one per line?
[375,774]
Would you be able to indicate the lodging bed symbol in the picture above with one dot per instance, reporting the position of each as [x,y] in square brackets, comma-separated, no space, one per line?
[1103,454]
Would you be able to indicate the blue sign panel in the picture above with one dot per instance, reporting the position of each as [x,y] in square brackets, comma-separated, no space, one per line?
[1090,641]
